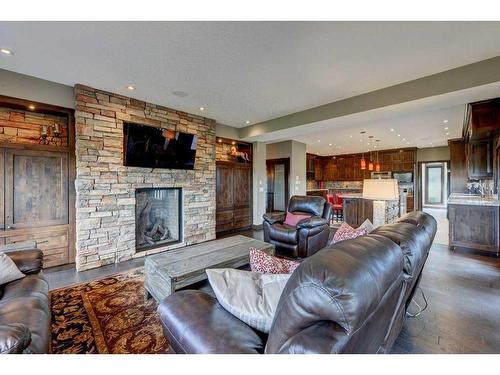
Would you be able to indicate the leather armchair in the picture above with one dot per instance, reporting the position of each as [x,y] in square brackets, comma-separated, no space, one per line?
[309,236]
[24,307]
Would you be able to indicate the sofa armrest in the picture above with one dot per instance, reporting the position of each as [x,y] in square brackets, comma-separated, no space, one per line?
[272,218]
[14,338]
[28,261]
[195,323]
[312,222]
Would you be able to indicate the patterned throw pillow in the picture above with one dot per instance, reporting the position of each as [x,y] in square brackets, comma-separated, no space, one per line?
[263,263]
[346,232]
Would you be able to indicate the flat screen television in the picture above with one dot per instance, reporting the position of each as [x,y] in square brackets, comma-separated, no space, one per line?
[149,147]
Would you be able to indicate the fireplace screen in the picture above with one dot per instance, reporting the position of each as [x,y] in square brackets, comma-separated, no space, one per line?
[158,217]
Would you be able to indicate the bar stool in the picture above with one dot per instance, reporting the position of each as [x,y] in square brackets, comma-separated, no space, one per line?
[338,207]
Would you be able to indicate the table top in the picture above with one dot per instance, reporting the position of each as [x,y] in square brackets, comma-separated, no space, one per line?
[187,260]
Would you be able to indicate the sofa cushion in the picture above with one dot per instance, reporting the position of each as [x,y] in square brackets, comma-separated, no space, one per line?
[265,263]
[195,322]
[250,296]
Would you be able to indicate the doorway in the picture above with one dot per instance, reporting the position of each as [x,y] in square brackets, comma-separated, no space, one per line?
[434,188]
[278,172]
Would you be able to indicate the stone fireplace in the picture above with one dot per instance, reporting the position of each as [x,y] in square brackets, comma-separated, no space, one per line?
[158,217]
[109,195]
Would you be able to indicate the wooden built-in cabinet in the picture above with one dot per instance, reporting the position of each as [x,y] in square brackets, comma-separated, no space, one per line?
[234,196]
[37,190]
[458,166]
[475,227]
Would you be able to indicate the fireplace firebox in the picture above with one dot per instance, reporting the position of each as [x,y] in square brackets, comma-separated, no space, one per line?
[158,217]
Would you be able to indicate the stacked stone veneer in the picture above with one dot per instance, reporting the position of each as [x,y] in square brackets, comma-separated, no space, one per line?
[105,189]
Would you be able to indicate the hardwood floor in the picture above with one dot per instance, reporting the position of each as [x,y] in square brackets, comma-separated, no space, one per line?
[462,289]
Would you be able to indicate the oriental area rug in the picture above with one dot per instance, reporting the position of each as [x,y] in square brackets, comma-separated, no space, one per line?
[107,316]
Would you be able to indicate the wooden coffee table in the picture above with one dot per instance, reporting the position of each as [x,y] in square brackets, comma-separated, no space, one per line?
[175,269]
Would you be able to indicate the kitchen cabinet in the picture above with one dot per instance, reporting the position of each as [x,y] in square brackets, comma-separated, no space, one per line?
[480,159]
[484,119]
[458,166]
[474,227]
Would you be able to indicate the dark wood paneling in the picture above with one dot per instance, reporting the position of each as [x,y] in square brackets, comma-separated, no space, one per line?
[458,169]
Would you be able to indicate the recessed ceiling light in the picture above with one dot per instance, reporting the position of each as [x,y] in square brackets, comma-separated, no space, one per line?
[399,135]
[31,107]
[6,51]
[350,136]
[319,140]
[404,139]
[180,94]
[130,87]
[392,130]
[202,108]
[445,121]
[329,144]
[408,143]
[247,122]
[447,133]
[446,128]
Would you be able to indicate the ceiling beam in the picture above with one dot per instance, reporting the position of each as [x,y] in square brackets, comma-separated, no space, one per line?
[464,77]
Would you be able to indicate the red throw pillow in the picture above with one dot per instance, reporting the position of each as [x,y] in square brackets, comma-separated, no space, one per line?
[293,219]
[346,232]
[263,263]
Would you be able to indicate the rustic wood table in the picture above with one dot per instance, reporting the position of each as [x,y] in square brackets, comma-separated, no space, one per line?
[175,269]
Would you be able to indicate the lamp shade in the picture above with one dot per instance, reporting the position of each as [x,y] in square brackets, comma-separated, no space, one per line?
[381,190]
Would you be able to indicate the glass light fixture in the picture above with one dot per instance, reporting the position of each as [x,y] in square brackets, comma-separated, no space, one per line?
[363,161]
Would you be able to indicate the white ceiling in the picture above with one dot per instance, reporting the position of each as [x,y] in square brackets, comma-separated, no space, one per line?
[243,71]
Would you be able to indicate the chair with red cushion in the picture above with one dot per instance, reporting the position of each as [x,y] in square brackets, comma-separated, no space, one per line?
[338,207]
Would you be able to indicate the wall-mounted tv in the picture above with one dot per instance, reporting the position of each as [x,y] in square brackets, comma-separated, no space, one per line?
[149,147]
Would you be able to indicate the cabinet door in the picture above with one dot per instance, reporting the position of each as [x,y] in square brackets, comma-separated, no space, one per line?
[485,118]
[318,169]
[480,159]
[36,188]
[241,187]
[351,211]
[224,188]
[475,227]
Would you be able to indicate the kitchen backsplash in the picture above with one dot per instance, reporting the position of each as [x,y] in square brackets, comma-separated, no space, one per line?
[335,185]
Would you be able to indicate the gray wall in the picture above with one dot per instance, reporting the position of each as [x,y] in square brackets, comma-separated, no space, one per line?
[39,90]
[296,151]
[433,154]
[225,131]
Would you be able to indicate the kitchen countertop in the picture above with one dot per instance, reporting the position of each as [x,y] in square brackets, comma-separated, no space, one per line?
[473,200]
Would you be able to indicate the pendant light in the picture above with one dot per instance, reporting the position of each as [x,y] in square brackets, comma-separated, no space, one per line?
[370,162]
[363,161]
[377,164]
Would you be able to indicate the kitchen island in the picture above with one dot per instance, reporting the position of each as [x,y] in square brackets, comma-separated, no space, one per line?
[357,209]
[474,222]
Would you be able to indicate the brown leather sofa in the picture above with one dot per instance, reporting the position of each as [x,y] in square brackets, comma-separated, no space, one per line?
[24,307]
[309,236]
[350,297]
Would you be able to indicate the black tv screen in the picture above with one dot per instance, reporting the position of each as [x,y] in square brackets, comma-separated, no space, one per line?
[150,147]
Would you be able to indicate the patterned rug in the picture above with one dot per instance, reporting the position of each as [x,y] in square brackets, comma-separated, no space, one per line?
[106,316]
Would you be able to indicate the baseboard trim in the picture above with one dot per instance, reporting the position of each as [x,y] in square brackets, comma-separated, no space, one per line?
[257,227]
